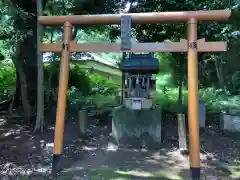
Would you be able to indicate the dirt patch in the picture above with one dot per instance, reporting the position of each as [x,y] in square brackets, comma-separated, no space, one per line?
[25,155]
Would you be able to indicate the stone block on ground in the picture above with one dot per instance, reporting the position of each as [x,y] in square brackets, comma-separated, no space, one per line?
[230,122]
[202,115]
[82,121]
[182,132]
[137,128]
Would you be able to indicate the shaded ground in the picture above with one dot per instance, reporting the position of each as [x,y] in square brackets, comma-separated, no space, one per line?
[96,157]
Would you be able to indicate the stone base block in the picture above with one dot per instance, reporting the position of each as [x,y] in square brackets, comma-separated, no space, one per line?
[230,122]
[82,121]
[137,128]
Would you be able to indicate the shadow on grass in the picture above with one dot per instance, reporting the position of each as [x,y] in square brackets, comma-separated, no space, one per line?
[111,174]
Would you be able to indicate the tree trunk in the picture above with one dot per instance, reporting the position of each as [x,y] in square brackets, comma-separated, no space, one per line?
[22,83]
[26,57]
[180,87]
[26,66]
[40,86]
[219,72]
[51,95]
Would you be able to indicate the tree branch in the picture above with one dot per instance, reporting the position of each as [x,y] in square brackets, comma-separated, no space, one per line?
[26,4]
[75,31]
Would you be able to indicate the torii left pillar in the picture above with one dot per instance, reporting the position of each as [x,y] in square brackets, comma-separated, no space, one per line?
[62,97]
[194,139]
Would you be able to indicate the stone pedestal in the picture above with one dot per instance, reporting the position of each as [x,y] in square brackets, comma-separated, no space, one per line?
[230,122]
[182,132]
[202,116]
[137,128]
[82,121]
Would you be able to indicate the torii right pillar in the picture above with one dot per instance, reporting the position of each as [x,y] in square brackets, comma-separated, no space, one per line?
[194,139]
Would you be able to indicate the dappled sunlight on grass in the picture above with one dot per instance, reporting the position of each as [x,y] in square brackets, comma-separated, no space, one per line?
[235,171]
[155,175]
[136,173]
[129,164]
[111,174]
[2,121]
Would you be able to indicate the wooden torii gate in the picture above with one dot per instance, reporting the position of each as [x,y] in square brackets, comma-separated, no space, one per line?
[192,46]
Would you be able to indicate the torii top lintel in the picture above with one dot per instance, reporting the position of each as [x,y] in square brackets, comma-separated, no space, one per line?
[137,18]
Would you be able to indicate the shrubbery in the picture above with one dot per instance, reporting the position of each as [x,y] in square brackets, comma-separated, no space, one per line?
[81,83]
[7,80]
[90,88]
[103,86]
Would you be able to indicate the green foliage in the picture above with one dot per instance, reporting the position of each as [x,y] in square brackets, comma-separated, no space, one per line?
[81,80]
[82,85]
[99,36]
[235,88]
[7,80]
[77,78]
[11,30]
[165,62]
[75,96]
[219,100]
[166,75]
[208,74]
[83,88]
[100,101]
[1,57]
[216,100]
[103,86]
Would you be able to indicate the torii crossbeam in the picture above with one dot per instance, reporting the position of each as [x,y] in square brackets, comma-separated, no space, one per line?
[192,46]
[181,46]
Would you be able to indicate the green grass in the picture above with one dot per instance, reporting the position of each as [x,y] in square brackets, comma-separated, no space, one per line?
[235,171]
[111,174]
[215,100]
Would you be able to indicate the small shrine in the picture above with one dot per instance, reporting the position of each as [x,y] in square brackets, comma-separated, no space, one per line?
[139,84]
